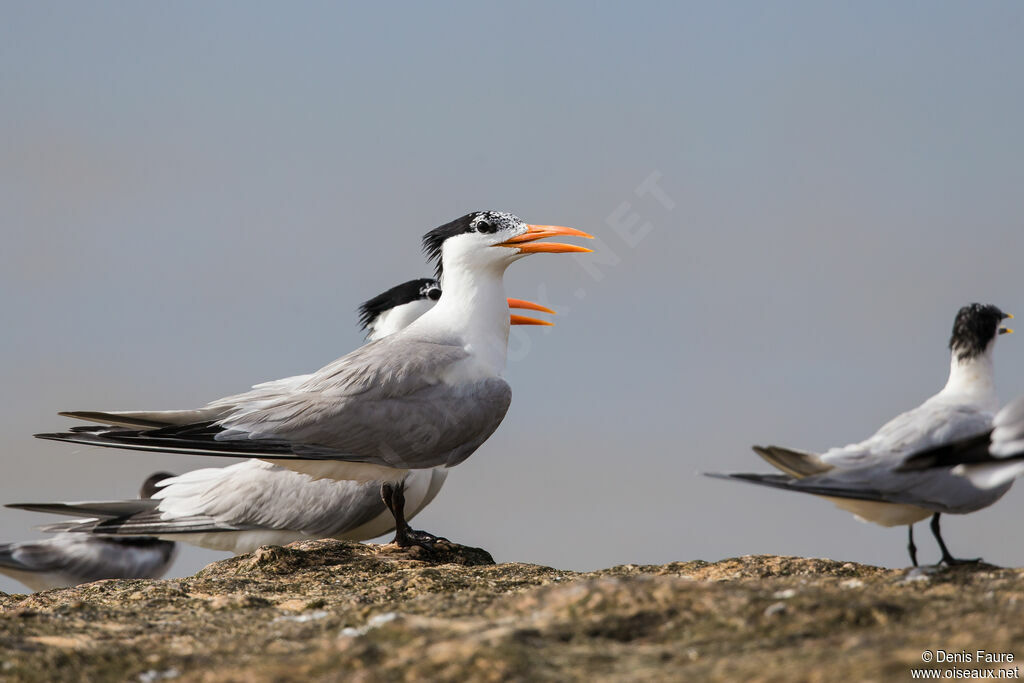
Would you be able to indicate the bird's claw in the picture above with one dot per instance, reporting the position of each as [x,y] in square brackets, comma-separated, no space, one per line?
[413,537]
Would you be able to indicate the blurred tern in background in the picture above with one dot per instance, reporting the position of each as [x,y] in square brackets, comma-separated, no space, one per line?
[71,559]
[867,478]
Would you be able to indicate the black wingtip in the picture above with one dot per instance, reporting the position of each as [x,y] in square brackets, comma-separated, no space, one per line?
[52,436]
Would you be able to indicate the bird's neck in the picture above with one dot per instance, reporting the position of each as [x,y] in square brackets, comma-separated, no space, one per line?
[972,379]
[474,308]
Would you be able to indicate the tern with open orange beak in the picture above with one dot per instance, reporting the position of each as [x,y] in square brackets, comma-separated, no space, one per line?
[525,242]
[425,397]
[253,503]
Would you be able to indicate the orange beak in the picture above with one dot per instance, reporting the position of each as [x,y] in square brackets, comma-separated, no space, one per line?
[524,320]
[539,232]
[530,306]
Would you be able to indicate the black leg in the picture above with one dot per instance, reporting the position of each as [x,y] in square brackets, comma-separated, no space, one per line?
[393,496]
[946,556]
[911,548]
[387,494]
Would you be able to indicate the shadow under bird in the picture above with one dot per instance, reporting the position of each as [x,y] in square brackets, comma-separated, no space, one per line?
[72,559]
[425,397]
[252,503]
[868,478]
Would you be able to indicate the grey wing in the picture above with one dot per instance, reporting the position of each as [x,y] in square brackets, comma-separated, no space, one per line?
[84,558]
[938,490]
[258,495]
[1008,435]
[935,490]
[434,426]
[930,425]
[106,508]
[145,524]
[259,391]
[793,462]
[996,464]
[384,404]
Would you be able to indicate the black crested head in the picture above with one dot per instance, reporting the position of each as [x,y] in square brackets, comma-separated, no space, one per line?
[407,292]
[478,221]
[975,327]
[149,487]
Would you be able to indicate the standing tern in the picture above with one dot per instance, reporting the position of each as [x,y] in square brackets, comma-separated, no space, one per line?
[252,503]
[866,478]
[71,559]
[427,396]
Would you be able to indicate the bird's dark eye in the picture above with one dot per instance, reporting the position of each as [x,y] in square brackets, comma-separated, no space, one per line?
[485,227]
[433,293]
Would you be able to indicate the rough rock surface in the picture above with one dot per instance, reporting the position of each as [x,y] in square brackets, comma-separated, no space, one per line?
[330,610]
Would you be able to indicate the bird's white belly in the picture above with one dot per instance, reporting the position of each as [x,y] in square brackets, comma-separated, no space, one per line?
[340,470]
[885,514]
[238,542]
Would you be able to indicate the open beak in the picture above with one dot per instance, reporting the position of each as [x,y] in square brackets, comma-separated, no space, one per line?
[530,306]
[525,320]
[539,232]
[1006,330]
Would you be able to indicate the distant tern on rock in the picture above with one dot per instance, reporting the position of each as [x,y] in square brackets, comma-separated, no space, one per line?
[866,478]
[71,559]
[427,396]
[243,506]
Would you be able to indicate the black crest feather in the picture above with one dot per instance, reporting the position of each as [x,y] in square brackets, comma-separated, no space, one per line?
[149,487]
[413,290]
[434,240]
[493,221]
[975,327]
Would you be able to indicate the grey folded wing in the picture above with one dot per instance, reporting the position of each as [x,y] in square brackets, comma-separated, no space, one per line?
[387,403]
[936,490]
[104,508]
[931,425]
[248,496]
[146,524]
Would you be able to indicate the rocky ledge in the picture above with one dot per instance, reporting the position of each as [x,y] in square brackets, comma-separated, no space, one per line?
[330,610]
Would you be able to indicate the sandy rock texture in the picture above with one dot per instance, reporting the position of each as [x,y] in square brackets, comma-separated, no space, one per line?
[330,610]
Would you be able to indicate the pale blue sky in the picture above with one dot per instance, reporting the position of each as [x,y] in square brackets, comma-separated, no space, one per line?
[195,197]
